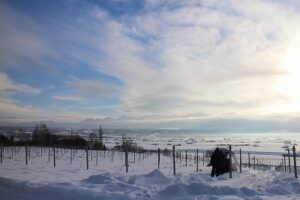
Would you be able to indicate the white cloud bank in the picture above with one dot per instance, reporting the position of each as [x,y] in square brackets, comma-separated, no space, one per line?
[186,58]
[212,58]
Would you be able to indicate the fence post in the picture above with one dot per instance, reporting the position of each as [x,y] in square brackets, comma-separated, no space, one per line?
[203,159]
[186,157]
[126,159]
[295,162]
[26,154]
[230,170]
[284,163]
[134,155]
[54,164]
[197,160]
[289,160]
[180,157]
[249,163]
[240,160]
[87,156]
[48,154]
[71,158]
[1,152]
[174,167]
[158,157]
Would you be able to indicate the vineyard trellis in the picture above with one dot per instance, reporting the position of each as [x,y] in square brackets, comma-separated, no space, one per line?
[251,160]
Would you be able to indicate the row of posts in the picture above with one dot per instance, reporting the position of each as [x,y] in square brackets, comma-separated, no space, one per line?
[186,158]
[230,161]
[27,157]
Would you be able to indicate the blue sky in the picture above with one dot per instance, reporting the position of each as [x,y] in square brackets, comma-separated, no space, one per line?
[70,60]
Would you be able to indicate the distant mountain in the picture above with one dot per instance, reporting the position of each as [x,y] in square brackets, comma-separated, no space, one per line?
[215,124]
[90,121]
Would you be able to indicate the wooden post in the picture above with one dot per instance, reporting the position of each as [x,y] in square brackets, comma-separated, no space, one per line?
[254,162]
[240,160]
[186,157]
[295,162]
[48,154]
[1,152]
[197,160]
[289,160]
[134,155]
[97,156]
[249,163]
[230,170]
[180,157]
[126,159]
[174,167]
[54,164]
[87,157]
[284,161]
[158,157]
[26,154]
[203,158]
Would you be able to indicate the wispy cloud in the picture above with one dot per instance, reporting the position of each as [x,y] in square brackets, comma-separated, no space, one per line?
[67,98]
[7,85]
[11,110]
[92,87]
[193,54]
[22,40]
[174,59]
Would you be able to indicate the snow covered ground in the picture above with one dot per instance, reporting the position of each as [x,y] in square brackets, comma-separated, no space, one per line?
[107,179]
[152,139]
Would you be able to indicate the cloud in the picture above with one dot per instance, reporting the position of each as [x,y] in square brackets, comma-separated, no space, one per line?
[22,40]
[174,59]
[11,110]
[67,98]
[92,87]
[213,58]
[7,85]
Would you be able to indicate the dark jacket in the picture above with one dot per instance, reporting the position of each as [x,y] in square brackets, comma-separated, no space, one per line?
[217,158]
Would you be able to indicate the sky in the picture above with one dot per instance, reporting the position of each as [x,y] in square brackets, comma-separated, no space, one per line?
[69,60]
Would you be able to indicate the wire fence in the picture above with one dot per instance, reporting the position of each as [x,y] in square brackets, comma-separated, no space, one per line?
[52,156]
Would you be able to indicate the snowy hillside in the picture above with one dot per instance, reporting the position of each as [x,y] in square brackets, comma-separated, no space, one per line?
[107,179]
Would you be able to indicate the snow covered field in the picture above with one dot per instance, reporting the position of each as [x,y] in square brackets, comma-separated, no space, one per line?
[107,179]
[152,139]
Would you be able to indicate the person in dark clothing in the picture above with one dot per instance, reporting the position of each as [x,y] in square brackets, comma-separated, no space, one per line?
[216,162]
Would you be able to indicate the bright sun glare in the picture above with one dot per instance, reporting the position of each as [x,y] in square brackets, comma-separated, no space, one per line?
[291,82]
[292,61]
